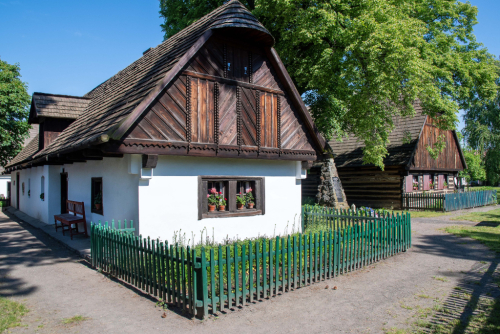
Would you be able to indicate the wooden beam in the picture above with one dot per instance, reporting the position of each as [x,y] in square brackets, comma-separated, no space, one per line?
[232,82]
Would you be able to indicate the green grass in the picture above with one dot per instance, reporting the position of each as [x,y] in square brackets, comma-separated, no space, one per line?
[486,318]
[492,216]
[423,214]
[10,314]
[74,320]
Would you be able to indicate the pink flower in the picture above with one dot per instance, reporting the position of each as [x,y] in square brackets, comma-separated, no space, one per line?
[249,190]
[208,195]
[213,191]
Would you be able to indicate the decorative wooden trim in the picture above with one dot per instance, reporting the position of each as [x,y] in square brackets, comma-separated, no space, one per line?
[238,118]
[188,110]
[250,67]
[169,77]
[232,82]
[257,107]
[278,110]
[227,214]
[224,59]
[216,116]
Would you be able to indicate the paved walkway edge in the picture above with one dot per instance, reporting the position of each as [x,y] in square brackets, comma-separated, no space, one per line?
[79,245]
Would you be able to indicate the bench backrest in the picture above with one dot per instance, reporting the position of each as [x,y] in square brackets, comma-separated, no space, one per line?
[78,208]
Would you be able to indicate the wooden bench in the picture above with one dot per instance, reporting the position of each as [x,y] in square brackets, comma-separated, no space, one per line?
[68,219]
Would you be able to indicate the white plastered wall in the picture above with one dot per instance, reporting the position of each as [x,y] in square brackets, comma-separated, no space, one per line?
[3,184]
[168,201]
[32,205]
[120,194]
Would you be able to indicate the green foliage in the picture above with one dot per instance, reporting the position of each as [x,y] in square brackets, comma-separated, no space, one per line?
[482,132]
[10,313]
[14,104]
[475,166]
[361,62]
[438,147]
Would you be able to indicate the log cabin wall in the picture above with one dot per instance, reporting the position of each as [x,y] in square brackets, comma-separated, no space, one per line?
[372,187]
[448,160]
[229,102]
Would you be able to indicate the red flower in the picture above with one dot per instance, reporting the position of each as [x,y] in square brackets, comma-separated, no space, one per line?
[220,192]
[225,199]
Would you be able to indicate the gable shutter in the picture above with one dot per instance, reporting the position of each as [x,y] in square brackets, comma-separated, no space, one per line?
[440,181]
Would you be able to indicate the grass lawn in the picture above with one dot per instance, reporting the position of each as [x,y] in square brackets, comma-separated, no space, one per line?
[486,318]
[10,313]
[424,214]
[492,217]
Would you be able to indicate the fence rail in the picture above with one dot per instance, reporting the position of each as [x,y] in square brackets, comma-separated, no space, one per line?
[423,202]
[204,280]
[470,199]
[450,201]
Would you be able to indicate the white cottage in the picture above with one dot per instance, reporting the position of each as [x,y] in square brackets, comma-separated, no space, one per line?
[212,107]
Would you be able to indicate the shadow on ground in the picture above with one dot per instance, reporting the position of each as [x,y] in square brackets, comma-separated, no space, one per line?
[21,246]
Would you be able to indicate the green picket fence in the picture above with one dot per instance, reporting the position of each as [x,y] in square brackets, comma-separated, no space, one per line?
[204,281]
[333,219]
[469,199]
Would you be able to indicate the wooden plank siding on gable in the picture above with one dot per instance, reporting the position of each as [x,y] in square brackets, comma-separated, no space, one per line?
[448,160]
[229,99]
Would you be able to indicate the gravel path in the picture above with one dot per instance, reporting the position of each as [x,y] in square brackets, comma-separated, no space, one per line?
[56,284]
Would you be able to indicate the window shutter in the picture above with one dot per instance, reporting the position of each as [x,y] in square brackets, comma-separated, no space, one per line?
[427,180]
[409,183]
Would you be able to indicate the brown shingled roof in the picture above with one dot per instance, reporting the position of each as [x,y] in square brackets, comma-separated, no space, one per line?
[115,99]
[58,106]
[26,153]
[349,153]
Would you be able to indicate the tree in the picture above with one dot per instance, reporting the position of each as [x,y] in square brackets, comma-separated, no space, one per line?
[482,132]
[475,165]
[358,63]
[14,104]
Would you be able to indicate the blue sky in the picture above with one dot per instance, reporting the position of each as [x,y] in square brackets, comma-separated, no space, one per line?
[69,47]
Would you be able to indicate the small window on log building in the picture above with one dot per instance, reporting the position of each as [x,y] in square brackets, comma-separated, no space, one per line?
[96,193]
[242,196]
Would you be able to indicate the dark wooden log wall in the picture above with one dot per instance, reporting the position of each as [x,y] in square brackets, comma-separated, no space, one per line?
[448,160]
[50,128]
[311,183]
[228,96]
[370,186]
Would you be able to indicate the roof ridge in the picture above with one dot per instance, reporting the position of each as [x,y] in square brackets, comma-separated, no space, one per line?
[62,95]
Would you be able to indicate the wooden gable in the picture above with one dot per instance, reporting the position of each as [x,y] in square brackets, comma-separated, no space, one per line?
[227,101]
[451,159]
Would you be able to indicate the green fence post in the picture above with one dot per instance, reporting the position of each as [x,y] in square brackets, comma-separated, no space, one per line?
[201,285]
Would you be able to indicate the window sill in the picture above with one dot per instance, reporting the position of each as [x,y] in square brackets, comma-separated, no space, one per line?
[239,213]
[98,212]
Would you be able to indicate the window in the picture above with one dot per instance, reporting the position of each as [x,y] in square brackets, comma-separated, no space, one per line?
[244,196]
[42,188]
[96,193]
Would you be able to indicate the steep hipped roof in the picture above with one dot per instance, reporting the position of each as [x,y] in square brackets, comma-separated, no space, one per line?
[114,101]
[349,153]
[57,106]
[26,153]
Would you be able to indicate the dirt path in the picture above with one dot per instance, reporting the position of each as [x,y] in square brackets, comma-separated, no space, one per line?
[55,285]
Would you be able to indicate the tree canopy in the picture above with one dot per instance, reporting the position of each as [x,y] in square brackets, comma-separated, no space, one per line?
[475,165]
[359,63]
[14,104]
[482,132]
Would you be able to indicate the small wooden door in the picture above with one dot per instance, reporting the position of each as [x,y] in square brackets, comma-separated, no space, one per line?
[64,191]
[17,191]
